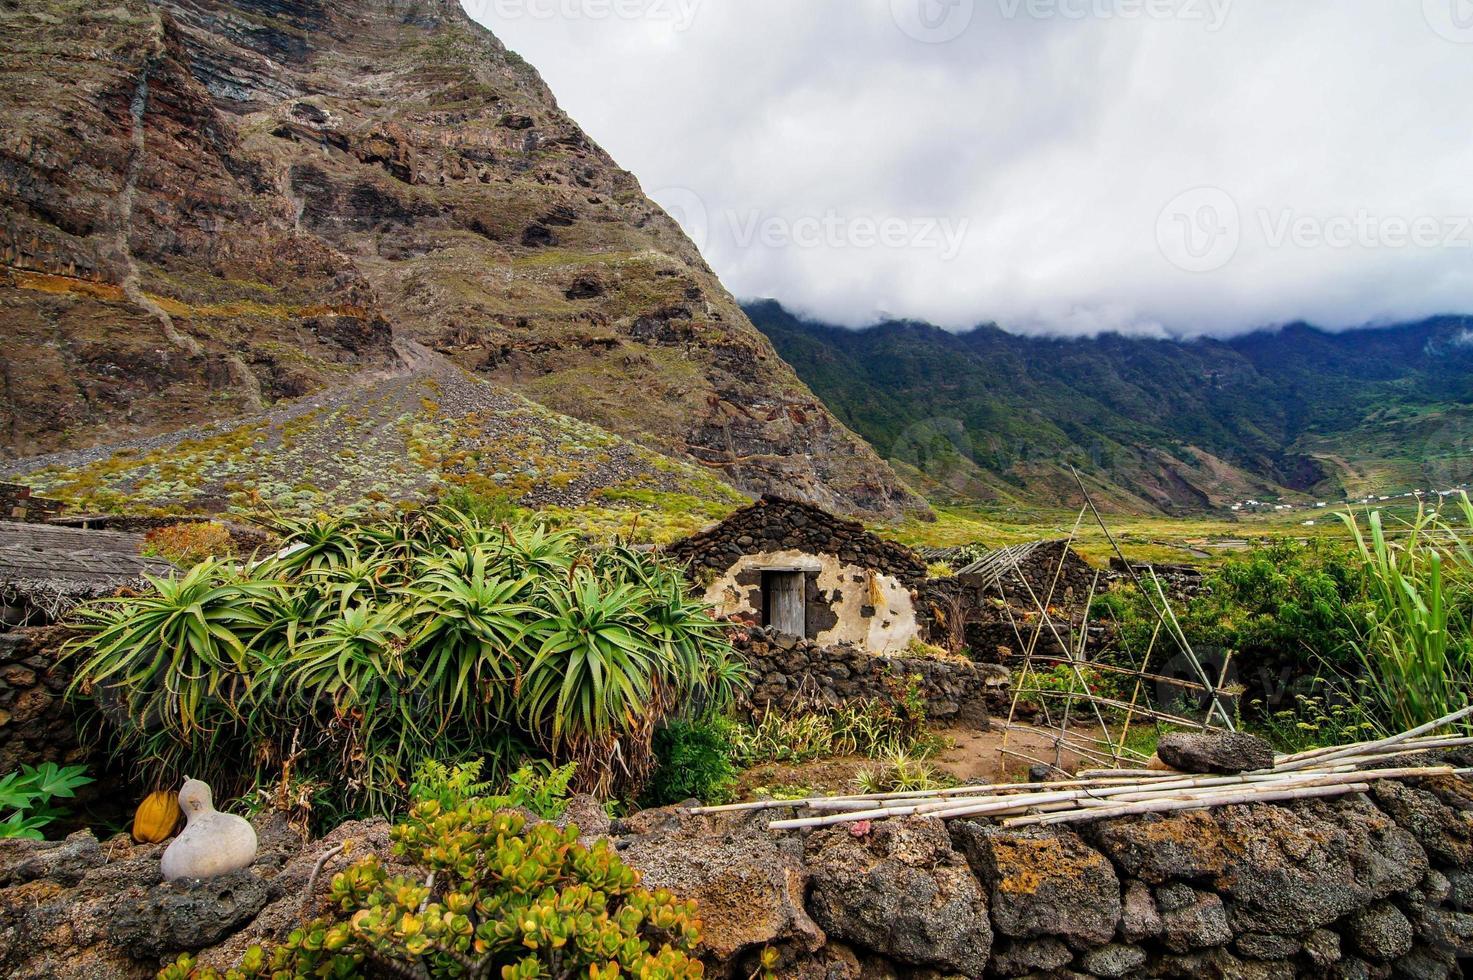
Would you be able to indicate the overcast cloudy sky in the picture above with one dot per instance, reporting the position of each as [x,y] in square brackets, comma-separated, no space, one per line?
[1069,166]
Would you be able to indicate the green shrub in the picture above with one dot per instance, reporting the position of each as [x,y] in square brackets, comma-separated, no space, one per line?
[901,773]
[1063,679]
[26,797]
[1288,612]
[485,507]
[871,727]
[363,650]
[490,897]
[537,787]
[189,544]
[1316,721]
[541,788]
[693,761]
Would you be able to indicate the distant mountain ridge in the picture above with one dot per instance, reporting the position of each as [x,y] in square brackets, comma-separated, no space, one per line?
[1165,425]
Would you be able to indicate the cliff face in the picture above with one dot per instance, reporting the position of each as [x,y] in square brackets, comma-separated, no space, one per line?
[210,206]
[149,270]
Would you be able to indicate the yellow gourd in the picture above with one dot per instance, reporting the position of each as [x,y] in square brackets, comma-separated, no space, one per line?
[157,818]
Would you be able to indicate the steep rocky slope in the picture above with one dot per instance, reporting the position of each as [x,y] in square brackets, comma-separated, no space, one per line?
[150,273]
[210,206]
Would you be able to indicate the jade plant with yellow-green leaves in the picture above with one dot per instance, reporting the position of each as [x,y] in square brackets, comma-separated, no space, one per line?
[491,897]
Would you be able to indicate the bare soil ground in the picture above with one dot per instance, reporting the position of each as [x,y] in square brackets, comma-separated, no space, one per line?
[971,757]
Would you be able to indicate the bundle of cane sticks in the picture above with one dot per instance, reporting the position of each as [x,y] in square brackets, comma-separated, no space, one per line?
[1101,794]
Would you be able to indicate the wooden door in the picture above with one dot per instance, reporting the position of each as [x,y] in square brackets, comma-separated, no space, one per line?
[783,594]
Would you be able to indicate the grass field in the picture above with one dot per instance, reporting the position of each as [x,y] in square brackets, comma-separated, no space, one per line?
[1191,540]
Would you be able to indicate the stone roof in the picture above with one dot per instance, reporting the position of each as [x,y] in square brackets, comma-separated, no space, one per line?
[996,563]
[56,564]
[778,524]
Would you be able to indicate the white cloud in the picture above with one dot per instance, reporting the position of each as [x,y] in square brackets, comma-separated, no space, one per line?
[1060,135]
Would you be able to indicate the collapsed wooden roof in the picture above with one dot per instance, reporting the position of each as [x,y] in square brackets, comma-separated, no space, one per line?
[53,568]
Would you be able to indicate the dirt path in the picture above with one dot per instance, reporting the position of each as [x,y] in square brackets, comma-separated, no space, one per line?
[972,757]
[977,757]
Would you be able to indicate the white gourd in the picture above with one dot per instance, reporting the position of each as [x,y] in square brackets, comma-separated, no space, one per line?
[213,843]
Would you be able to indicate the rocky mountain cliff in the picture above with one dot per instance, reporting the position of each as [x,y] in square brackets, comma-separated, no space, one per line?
[210,206]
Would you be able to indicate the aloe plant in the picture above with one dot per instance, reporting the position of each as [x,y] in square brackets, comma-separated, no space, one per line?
[468,635]
[172,668]
[363,650]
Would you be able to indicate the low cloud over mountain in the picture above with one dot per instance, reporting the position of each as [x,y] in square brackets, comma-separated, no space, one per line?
[1059,166]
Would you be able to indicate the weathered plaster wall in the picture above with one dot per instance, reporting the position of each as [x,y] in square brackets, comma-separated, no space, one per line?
[844,603]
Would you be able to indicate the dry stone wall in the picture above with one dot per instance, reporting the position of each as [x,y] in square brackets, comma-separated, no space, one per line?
[35,725]
[787,671]
[17,503]
[1370,887]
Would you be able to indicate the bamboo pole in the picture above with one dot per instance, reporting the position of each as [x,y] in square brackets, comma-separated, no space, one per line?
[1178,636]
[917,794]
[1186,788]
[1124,773]
[1425,741]
[1183,789]
[1363,748]
[1117,669]
[1165,806]
[982,805]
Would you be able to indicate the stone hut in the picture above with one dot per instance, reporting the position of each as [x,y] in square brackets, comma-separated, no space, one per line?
[17,503]
[46,570]
[798,570]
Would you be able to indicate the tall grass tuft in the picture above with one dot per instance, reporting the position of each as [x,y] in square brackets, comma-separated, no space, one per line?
[1416,654]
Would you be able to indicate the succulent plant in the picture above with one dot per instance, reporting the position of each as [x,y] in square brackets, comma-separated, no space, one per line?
[498,899]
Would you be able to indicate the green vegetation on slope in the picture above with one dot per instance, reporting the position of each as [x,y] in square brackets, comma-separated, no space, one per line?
[987,416]
[390,446]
